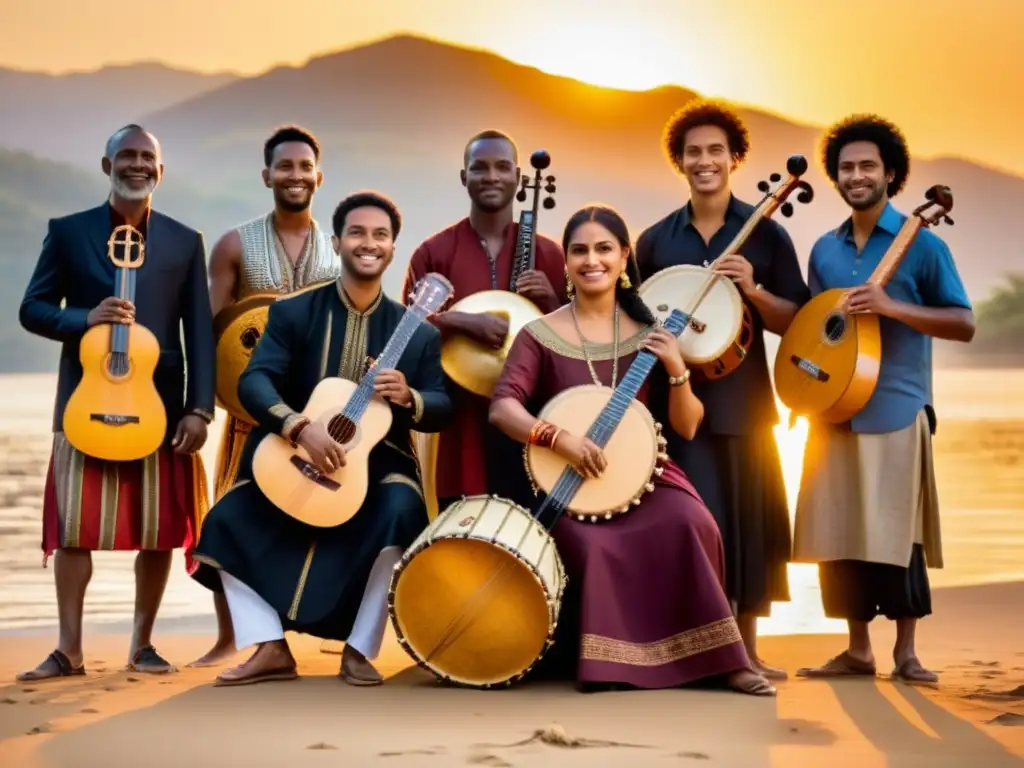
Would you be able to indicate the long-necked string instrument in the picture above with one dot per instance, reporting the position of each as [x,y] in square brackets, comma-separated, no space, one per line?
[533,555]
[474,366]
[355,416]
[828,360]
[115,412]
[723,333]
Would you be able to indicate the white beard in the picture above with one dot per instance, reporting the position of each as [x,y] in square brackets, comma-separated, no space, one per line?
[126,192]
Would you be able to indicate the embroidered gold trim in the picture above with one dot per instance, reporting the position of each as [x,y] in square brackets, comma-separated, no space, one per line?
[207,561]
[548,337]
[305,290]
[293,610]
[682,646]
[398,477]
[417,406]
[357,325]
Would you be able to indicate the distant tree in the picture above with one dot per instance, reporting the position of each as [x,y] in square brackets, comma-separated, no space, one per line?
[1000,318]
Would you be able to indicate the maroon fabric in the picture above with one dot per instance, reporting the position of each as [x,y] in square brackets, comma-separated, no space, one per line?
[456,254]
[652,610]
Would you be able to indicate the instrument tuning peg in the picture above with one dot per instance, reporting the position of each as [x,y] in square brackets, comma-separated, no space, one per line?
[786,209]
[549,203]
[775,178]
[549,179]
[806,193]
[762,186]
[948,220]
[521,195]
[549,188]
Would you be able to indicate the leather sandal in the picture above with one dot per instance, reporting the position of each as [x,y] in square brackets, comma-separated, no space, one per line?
[57,664]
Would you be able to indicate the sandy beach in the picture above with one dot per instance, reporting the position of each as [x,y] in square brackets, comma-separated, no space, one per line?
[113,718]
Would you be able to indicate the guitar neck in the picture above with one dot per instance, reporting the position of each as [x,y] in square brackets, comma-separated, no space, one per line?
[765,209]
[900,245]
[388,358]
[124,288]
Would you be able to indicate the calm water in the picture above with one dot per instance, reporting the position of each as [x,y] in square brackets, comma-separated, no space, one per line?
[978,453]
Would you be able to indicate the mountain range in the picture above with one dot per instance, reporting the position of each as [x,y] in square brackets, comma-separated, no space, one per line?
[394,116]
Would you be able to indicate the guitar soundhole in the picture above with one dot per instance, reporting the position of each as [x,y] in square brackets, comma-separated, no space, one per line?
[341,429]
[119,365]
[250,337]
[835,327]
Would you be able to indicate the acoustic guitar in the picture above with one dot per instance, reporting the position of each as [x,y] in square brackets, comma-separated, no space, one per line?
[355,416]
[828,361]
[115,412]
[724,330]
[474,366]
[617,423]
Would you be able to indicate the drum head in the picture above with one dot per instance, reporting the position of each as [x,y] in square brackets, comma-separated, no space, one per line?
[494,633]
[721,311]
[237,329]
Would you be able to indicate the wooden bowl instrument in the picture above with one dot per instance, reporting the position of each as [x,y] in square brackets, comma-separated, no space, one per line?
[237,329]
[722,332]
[828,360]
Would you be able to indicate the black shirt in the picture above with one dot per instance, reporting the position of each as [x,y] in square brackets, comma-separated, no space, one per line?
[743,401]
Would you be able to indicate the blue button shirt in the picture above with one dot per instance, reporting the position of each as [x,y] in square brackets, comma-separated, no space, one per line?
[927,277]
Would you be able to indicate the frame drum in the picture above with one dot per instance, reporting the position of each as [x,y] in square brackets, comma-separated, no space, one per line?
[476,598]
[237,329]
[716,323]
[634,453]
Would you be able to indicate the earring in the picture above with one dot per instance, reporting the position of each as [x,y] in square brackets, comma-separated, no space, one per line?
[624,280]
[570,289]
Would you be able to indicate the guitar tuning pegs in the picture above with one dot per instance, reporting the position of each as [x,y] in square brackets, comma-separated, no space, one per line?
[521,195]
[549,179]
[762,186]
[775,178]
[549,188]
[549,203]
[786,209]
[948,220]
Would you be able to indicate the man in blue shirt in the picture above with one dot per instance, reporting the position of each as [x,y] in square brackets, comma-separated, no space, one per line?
[868,511]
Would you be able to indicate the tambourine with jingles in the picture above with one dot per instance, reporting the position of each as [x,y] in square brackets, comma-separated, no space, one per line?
[237,329]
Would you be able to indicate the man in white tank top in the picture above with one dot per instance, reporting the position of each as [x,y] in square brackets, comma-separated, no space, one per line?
[281,252]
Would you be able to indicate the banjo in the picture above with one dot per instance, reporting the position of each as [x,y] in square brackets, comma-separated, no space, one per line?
[724,331]
[621,426]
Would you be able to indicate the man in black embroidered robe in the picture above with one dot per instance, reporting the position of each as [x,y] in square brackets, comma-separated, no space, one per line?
[277,573]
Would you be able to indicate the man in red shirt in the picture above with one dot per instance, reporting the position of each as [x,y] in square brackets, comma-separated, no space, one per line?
[476,254]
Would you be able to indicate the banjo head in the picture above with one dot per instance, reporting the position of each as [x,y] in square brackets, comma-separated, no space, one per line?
[719,316]
[633,452]
[237,329]
[474,366]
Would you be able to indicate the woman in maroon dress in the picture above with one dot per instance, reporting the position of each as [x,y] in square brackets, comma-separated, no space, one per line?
[646,589]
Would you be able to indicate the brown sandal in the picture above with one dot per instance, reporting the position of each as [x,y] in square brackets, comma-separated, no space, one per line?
[843,665]
[57,664]
[281,673]
[911,671]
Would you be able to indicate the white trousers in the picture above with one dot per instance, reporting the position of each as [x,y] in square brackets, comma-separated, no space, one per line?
[255,621]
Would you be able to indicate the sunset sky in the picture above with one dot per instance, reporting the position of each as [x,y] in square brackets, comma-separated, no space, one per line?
[952,78]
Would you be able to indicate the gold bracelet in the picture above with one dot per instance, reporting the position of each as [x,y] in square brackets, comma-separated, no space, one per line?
[678,381]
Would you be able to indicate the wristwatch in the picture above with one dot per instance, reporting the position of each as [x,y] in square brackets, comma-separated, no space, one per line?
[203,414]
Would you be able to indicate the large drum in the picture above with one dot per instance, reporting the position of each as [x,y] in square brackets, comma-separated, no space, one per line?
[237,329]
[476,598]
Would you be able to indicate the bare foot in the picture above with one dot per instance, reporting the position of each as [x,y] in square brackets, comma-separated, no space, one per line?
[222,651]
[770,673]
[357,670]
[748,681]
[271,661]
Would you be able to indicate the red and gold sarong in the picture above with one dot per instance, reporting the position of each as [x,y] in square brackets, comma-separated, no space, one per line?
[153,503]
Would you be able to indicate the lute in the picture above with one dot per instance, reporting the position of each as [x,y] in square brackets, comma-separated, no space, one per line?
[828,360]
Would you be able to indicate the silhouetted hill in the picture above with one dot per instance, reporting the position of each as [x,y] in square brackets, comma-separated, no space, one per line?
[394,116]
[68,117]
